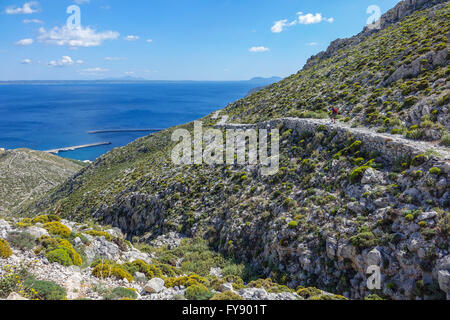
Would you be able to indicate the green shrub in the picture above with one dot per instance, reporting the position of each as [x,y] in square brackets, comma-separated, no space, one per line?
[21,240]
[121,293]
[410,101]
[373,297]
[45,218]
[60,256]
[57,228]
[365,239]
[149,270]
[445,140]
[444,100]
[45,290]
[422,224]
[5,249]
[226,295]
[97,233]
[12,279]
[25,223]
[293,224]
[308,292]
[198,292]
[75,256]
[105,270]
[418,160]
[414,134]
[357,174]
[435,171]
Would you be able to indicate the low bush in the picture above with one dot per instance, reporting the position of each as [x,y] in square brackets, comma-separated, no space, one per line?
[227,295]
[435,171]
[5,249]
[45,290]
[57,228]
[24,223]
[121,293]
[60,256]
[445,140]
[364,240]
[45,218]
[21,240]
[198,292]
[149,270]
[106,270]
[307,293]
[185,281]
[97,233]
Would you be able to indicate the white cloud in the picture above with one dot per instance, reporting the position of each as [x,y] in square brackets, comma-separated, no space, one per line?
[279,25]
[312,44]
[130,73]
[93,71]
[24,42]
[79,62]
[26,61]
[114,59]
[77,37]
[33,21]
[131,38]
[258,49]
[81,1]
[310,18]
[27,8]
[63,62]
[149,40]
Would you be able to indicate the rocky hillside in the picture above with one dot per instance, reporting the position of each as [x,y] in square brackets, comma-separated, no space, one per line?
[26,175]
[392,80]
[46,258]
[346,197]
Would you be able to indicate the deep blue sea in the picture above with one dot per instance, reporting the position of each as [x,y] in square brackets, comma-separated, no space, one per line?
[49,116]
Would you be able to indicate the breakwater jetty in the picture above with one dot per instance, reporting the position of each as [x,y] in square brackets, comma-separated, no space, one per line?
[123,130]
[56,151]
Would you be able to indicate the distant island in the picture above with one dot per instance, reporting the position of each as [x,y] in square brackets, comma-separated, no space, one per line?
[258,81]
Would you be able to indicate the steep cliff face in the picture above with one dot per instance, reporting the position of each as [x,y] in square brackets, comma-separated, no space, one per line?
[346,197]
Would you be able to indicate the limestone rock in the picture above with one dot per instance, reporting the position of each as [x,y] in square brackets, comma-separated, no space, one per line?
[15,296]
[36,231]
[372,176]
[155,285]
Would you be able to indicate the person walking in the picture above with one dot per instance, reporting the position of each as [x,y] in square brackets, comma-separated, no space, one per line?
[334,113]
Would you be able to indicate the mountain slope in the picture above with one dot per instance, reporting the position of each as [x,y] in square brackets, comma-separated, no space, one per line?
[393,80]
[26,175]
[339,203]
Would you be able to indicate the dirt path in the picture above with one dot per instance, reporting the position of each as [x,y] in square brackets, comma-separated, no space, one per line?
[416,146]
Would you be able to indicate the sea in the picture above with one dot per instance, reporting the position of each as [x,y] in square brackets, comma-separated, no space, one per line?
[46,116]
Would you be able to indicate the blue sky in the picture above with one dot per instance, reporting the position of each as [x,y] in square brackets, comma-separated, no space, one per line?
[171,39]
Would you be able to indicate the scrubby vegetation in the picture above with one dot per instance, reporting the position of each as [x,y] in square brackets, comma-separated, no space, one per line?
[333,201]
[5,249]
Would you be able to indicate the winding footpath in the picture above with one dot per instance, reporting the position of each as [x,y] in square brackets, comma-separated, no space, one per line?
[389,145]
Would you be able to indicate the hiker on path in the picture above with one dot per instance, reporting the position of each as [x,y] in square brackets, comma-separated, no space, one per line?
[334,113]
